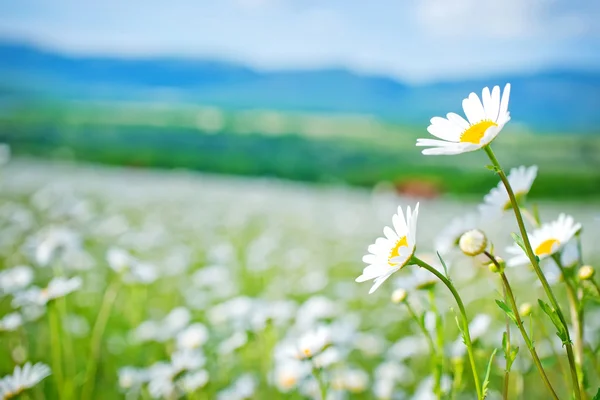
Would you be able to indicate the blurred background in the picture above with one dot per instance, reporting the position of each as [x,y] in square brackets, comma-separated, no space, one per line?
[321,91]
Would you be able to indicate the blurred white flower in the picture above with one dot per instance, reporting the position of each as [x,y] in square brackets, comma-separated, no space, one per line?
[312,343]
[57,287]
[15,279]
[165,329]
[49,241]
[424,390]
[192,381]
[393,252]
[546,240]
[314,309]
[131,378]
[486,118]
[118,259]
[497,200]
[187,360]
[448,238]
[232,343]
[22,378]
[243,388]
[288,373]
[192,337]
[351,379]
[11,322]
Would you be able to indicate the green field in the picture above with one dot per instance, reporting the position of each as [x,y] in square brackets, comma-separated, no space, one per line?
[357,150]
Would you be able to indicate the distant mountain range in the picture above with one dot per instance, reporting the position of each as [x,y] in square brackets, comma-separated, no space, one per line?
[553,100]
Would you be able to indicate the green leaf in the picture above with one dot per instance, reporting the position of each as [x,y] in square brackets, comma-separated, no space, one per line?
[507,311]
[551,312]
[486,380]
[443,265]
[492,168]
[519,241]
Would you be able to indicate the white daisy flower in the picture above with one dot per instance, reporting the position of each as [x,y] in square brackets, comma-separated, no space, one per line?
[288,373]
[11,322]
[546,240]
[497,200]
[485,120]
[131,378]
[58,287]
[391,253]
[22,378]
[15,279]
[312,343]
[192,337]
[192,381]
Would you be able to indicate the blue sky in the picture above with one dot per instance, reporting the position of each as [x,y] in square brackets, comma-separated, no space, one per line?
[413,40]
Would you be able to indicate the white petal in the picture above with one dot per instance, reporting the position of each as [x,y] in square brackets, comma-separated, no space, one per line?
[390,234]
[495,104]
[503,113]
[458,120]
[486,98]
[473,109]
[434,142]
[444,129]
[379,281]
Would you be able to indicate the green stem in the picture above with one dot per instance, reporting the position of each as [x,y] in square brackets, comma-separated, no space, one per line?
[432,347]
[515,310]
[507,350]
[317,372]
[576,312]
[55,348]
[439,337]
[465,320]
[536,267]
[98,331]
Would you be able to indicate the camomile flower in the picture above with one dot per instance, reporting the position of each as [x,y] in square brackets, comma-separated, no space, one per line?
[497,200]
[312,343]
[22,378]
[485,120]
[15,279]
[57,287]
[394,251]
[11,322]
[546,240]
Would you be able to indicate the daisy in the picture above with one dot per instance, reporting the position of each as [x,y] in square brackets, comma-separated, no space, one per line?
[546,240]
[15,279]
[11,322]
[57,287]
[497,200]
[485,121]
[393,252]
[312,343]
[22,378]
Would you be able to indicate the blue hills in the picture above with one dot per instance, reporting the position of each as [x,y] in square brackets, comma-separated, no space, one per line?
[551,100]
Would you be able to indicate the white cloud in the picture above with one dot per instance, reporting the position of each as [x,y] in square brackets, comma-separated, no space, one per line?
[507,19]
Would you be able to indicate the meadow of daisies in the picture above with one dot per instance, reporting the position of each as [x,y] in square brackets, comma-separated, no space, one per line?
[135,284]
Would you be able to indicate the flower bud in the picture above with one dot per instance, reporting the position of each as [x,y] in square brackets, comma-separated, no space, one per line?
[586,273]
[473,242]
[525,309]
[399,295]
[493,266]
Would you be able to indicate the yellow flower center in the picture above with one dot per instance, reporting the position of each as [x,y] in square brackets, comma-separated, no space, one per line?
[306,352]
[395,250]
[475,132]
[545,247]
[288,381]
